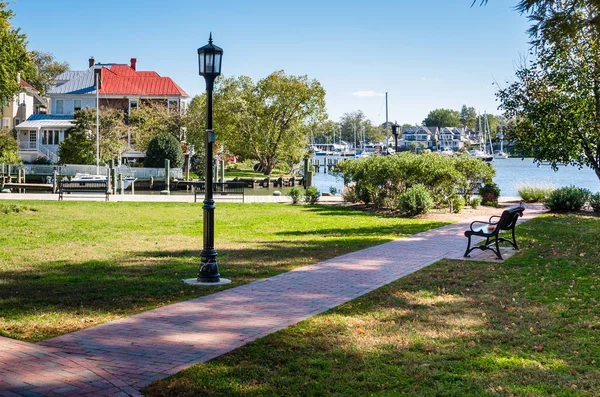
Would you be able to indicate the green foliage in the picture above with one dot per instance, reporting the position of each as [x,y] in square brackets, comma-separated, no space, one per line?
[457,204]
[468,116]
[14,57]
[9,208]
[164,147]
[475,202]
[46,71]
[442,118]
[490,188]
[568,198]
[416,200]
[153,119]
[333,190]
[268,120]
[555,100]
[595,202]
[349,195]
[382,179]
[312,195]
[80,145]
[198,164]
[475,172]
[296,194]
[533,193]
[490,204]
[9,149]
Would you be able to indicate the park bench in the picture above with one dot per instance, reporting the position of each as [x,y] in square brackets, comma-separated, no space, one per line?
[229,190]
[491,231]
[98,187]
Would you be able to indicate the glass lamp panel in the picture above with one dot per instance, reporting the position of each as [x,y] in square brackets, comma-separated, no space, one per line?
[201,63]
[218,63]
[210,62]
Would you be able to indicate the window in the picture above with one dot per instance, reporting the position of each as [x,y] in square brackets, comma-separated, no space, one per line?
[76,105]
[50,137]
[17,122]
[60,106]
[133,105]
[173,105]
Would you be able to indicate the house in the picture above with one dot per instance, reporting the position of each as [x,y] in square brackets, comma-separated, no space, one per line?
[120,86]
[27,102]
[434,138]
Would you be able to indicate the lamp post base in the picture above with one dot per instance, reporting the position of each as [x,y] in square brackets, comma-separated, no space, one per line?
[194,281]
[209,271]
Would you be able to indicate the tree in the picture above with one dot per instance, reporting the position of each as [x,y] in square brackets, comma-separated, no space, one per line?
[80,145]
[153,119]
[468,116]
[14,57]
[555,100]
[46,71]
[270,120]
[164,147]
[442,118]
[9,150]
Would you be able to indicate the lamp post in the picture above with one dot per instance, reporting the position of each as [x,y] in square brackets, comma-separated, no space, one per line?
[209,60]
[395,132]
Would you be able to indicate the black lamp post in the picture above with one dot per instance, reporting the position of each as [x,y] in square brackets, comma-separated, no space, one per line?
[395,132]
[209,60]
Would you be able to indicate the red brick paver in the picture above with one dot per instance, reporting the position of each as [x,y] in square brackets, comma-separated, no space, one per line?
[120,357]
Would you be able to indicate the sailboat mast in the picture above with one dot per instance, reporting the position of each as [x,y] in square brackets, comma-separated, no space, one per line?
[387,137]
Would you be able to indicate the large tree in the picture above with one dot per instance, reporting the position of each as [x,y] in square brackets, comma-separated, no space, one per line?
[468,116]
[349,122]
[153,119]
[442,118]
[46,71]
[80,146]
[555,100]
[269,120]
[14,57]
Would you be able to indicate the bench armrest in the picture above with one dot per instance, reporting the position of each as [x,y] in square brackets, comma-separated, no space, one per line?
[492,217]
[474,222]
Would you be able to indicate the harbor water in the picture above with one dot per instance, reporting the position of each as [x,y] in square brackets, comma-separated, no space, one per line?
[510,174]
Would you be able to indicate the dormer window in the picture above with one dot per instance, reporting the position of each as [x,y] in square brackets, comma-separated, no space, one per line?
[60,106]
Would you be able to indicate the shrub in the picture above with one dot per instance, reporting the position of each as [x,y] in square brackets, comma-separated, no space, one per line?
[350,195]
[475,202]
[595,202]
[534,193]
[490,204]
[474,172]
[416,200]
[312,195]
[295,193]
[489,188]
[333,190]
[161,148]
[568,198]
[457,204]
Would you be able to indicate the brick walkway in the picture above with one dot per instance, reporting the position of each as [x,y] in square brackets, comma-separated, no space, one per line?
[120,357]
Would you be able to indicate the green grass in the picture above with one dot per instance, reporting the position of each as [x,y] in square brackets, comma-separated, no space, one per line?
[70,265]
[526,327]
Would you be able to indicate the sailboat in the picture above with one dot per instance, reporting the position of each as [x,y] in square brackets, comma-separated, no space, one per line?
[501,154]
[482,152]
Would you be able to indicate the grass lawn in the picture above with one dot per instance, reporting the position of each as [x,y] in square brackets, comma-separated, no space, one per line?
[70,265]
[528,327]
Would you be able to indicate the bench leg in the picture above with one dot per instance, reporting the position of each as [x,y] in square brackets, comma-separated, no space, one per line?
[466,255]
[514,239]
[498,250]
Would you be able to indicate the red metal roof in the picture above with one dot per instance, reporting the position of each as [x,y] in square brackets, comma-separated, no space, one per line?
[123,80]
[27,85]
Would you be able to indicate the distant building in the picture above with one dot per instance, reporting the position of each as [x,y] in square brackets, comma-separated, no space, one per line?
[435,138]
[27,102]
[120,86]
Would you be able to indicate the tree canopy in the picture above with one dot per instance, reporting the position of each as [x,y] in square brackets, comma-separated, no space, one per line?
[9,150]
[442,118]
[46,71]
[163,147]
[14,57]
[267,120]
[555,99]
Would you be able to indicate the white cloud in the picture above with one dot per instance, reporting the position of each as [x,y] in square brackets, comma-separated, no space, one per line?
[368,93]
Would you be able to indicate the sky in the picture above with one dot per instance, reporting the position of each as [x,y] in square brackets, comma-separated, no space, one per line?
[426,54]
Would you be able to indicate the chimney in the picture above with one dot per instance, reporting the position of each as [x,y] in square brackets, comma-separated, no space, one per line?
[133,62]
[91,62]
[98,77]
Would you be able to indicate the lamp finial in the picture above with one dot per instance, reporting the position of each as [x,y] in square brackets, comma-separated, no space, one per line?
[210,38]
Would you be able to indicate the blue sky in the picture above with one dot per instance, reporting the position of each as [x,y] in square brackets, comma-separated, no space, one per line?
[426,54]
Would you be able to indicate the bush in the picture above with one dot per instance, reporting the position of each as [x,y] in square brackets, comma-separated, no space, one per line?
[595,202]
[312,195]
[475,202]
[489,188]
[333,190]
[568,198]
[534,193]
[416,200]
[295,193]
[161,148]
[350,195]
[457,204]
